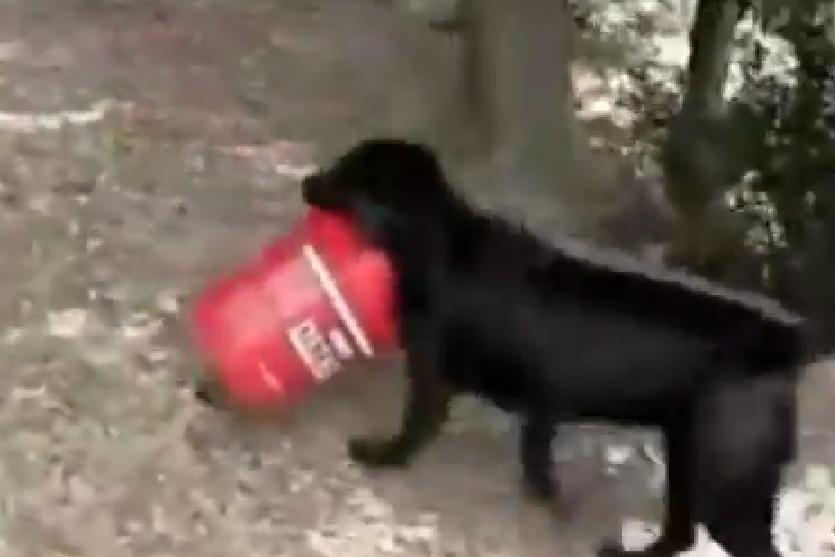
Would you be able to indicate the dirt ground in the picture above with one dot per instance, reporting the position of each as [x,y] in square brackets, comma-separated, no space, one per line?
[147,146]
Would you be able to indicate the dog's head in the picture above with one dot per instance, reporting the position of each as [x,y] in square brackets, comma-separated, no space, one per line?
[382,184]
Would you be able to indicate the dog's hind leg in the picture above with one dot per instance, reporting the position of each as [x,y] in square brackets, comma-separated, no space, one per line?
[743,529]
[746,438]
[535,449]
[427,408]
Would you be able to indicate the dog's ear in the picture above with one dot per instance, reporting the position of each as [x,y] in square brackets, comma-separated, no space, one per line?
[385,184]
[404,175]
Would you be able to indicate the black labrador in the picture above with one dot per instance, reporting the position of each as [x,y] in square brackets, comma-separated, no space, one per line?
[557,335]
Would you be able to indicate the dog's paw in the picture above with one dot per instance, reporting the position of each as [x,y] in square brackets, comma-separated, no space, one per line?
[539,488]
[547,492]
[610,548]
[376,453]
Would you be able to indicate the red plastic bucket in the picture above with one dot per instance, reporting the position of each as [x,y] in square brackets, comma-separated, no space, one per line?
[313,301]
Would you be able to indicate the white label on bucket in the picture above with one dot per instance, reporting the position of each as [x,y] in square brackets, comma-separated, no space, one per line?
[337,300]
[340,343]
[313,349]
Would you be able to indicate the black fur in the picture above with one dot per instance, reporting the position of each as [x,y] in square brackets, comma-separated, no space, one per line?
[555,335]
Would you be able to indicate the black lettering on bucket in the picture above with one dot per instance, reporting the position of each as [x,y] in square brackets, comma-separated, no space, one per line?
[314,350]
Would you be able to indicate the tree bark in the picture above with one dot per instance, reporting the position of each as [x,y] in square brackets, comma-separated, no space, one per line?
[519,56]
[696,162]
[516,88]
[705,153]
[710,40]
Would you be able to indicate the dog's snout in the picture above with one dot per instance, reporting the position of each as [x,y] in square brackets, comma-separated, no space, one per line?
[318,190]
[311,180]
[310,185]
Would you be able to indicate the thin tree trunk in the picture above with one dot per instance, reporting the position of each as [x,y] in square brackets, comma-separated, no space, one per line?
[704,155]
[711,39]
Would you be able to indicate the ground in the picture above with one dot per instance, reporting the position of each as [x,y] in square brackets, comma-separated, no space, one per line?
[146,147]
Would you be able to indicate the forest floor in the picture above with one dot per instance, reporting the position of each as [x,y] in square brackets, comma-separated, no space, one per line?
[146,147]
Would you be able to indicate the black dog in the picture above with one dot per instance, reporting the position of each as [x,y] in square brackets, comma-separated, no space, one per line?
[486,307]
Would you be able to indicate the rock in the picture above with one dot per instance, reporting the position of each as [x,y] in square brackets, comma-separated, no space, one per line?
[68,323]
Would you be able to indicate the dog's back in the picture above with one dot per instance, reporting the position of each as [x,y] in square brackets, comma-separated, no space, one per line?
[523,320]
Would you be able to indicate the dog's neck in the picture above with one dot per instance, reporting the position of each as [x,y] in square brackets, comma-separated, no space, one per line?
[427,235]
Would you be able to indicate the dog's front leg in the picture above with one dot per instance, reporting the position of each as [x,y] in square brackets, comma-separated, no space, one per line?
[427,407]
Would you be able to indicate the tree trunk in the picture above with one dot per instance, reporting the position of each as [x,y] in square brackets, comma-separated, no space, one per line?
[710,41]
[696,162]
[705,153]
[516,88]
[519,57]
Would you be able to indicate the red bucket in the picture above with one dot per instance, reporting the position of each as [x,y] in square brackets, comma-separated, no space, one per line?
[314,300]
